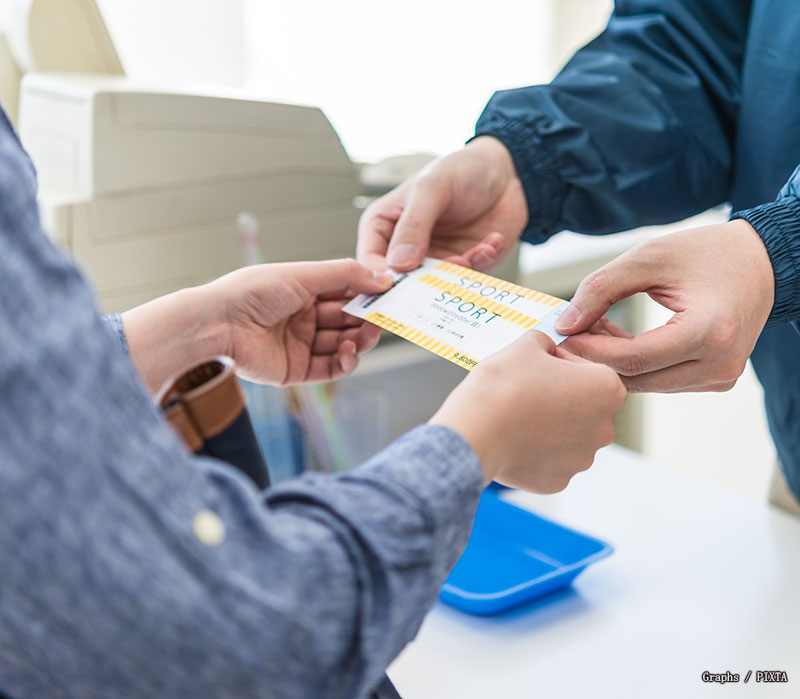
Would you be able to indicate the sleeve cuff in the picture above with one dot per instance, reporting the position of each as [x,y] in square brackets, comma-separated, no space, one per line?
[114,324]
[423,488]
[778,224]
[545,189]
[440,468]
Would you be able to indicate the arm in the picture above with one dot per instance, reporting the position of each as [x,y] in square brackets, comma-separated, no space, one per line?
[137,567]
[282,323]
[309,593]
[637,127]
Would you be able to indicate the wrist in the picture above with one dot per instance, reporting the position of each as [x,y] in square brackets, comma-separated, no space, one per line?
[475,438]
[175,331]
[496,154]
[757,259]
[201,317]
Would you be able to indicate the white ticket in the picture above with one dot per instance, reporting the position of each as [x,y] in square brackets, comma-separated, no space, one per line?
[458,313]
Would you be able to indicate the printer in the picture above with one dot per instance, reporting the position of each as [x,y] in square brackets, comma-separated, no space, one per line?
[147,187]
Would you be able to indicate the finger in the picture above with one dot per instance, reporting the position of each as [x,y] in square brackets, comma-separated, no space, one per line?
[626,275]
[338,295]
[597,330]
[412,234]
[376,227]
[531,341]
[481,257]
[334,275]
[484,255]
[691,375]
[708,388]
[347,358]
[601,327]
[605,327]
[457,259]
[562,353]
[367,337]
[331,315]
[487,253]
[364,337]
[328,341]
[329,367]
[671,344]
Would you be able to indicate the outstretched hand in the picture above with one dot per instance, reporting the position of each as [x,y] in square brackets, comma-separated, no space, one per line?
[718,280]
[281,323]
[543,413]
[467,207]
[286,324]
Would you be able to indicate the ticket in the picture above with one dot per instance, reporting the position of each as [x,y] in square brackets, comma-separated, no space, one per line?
[458,313]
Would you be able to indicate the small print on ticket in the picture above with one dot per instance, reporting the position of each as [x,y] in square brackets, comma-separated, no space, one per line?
[457,313]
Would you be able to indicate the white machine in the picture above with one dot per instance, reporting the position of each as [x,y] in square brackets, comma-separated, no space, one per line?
[145,186]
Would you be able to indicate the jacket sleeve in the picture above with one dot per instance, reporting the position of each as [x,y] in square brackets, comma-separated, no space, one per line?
[637,128]
[778,224]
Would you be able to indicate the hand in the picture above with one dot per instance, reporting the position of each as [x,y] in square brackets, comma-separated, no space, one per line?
[282,323]
[719,282]
[468,207]
[534,414]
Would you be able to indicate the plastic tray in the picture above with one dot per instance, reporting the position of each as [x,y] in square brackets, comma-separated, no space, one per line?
[514,556]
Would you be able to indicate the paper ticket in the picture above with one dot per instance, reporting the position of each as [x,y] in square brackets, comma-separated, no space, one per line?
[458,313]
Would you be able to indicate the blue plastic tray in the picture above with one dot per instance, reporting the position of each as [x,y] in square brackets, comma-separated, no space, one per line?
[514,556]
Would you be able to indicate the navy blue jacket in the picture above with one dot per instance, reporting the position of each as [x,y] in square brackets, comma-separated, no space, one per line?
[679,105]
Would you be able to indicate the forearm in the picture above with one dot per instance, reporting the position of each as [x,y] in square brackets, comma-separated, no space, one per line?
[393,529]
[143,571]
[308,594]
[173,332]
[637,128]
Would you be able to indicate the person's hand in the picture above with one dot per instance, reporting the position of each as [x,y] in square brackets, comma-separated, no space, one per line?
[719,282]
[468,207]
[281,323]
[534,414]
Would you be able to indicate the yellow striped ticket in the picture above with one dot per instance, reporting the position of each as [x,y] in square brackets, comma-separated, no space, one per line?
[458,313]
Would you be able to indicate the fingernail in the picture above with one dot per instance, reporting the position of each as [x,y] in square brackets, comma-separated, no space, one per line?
[383,278]
[568,318]
[402,255]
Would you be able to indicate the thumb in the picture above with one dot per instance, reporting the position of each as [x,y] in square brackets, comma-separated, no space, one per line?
[604,287]
[339,275]
[412,233]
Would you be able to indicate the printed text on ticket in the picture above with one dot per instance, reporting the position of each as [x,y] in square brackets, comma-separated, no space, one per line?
[458,313]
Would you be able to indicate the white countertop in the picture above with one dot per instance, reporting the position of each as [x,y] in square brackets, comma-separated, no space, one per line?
[701,579]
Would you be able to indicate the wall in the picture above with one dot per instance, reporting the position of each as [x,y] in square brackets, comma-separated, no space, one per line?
[178,41]
[395,78]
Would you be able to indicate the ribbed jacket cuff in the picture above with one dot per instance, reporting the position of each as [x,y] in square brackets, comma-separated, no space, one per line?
[778,224]
[545,189]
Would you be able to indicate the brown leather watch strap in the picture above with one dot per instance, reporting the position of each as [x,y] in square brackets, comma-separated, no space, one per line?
[203,401]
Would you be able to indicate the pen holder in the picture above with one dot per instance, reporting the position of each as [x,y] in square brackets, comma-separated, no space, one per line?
[316,427]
